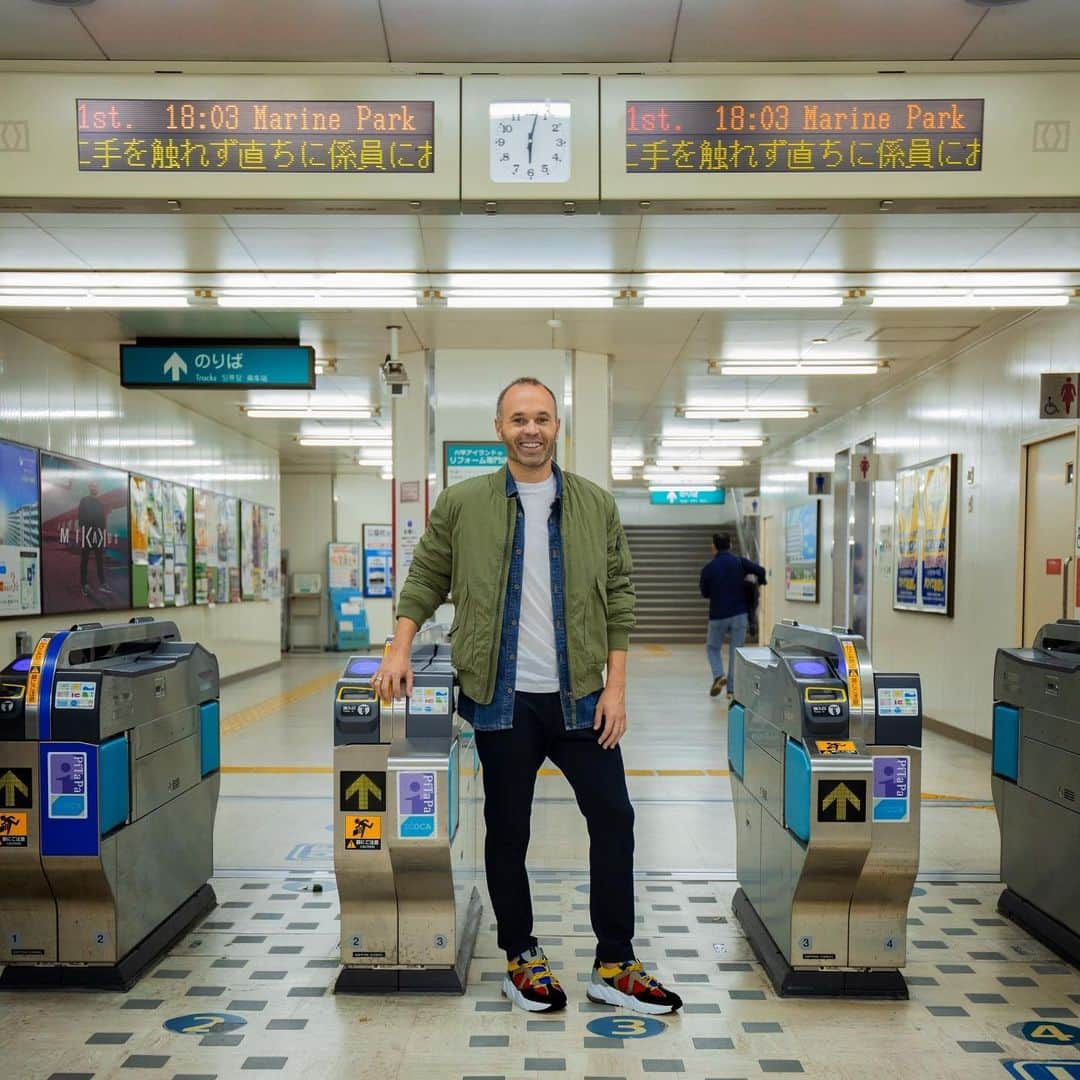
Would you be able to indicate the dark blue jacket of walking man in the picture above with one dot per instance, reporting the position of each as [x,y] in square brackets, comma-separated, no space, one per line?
[723,582]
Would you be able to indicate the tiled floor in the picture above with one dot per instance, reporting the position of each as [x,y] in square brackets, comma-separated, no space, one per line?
[268,955]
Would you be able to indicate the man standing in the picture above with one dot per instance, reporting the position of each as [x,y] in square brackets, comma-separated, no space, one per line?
[539,570]
[723,582]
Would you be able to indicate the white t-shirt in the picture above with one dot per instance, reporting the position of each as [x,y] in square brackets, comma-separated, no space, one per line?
[537,662]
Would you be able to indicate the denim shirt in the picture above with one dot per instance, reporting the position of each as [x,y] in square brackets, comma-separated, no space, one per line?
[498,715]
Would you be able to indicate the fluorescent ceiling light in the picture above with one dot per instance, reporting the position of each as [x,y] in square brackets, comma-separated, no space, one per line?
[742,300]
[968,300]
[703,462]
[627,463]
[817,464]
[152,443]
[747,369]
[40,300]
[684,442]
[350,302]
[313,412]
[681,478]
[343,440]
[60,414]
[764,412]
[531,301]
[558,283]
[682,487]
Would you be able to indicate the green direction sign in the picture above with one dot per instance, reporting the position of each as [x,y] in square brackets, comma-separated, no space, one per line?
[710,497]
[186,365]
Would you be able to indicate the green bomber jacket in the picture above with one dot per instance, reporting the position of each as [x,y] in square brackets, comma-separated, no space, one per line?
[465,552]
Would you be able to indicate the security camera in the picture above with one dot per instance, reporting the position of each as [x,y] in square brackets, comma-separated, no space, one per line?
[395,377]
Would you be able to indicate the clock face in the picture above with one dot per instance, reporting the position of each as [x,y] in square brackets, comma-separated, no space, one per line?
[529,142]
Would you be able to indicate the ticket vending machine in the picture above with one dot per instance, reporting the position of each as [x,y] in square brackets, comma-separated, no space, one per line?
[405,847]
[825,773]
[1036,784]
[109,759]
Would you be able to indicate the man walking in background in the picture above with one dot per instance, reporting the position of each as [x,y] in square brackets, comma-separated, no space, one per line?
[723,583]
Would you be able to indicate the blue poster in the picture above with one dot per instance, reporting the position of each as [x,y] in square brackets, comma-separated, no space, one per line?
[378,568]
[20,531]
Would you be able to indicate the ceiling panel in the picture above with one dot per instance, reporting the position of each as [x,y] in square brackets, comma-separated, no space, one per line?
[903,249]
[36,32]
[154,249]
[714,249]
[538,248]
[1043,249]
[344,249]
[32,249]
[524,30]
[237,30]
[1041,29]
[836,30]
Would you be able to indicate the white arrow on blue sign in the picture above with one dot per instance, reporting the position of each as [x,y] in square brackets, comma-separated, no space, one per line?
[213,365]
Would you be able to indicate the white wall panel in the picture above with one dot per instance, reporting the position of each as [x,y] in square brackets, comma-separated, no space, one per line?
[364,499]
[55,401]
[982,405]
[307,526]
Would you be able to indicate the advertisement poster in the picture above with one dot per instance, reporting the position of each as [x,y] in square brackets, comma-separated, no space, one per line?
[86,551]
[204,515]
[155,580]
[181,524]
[343,566]
[378,560]
[907,539]
[464,460]
[20,531]
[801,553]
[925,536]
[170,575]
[140,524]
[228,526]
[272,574]
[247,550]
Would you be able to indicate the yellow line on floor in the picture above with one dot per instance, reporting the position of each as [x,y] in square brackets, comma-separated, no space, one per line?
[321,770]
[657,650]
[237,721]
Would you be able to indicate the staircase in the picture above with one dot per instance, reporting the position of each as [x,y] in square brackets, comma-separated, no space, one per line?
[667,562]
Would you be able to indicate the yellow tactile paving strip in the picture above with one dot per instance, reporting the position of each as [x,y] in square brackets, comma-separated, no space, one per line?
[237,721]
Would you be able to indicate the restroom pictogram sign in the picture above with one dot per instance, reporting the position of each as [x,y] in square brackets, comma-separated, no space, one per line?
[1057,395]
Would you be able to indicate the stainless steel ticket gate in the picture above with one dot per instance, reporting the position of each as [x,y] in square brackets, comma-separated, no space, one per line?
[825,772]
[1036,785]
[109,757]
[405,846]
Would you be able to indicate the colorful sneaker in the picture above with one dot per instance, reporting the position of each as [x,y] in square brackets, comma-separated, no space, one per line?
[628,985]
[530,985]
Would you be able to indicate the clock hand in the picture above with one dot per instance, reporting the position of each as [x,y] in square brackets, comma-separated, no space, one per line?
[529,145]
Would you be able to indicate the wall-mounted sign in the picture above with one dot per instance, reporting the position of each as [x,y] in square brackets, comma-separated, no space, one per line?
[212,366]
[20,531]
[714,497]
[819,483]
[813,135]
[464,460]
[378,543]
[217,135]
[1057,395]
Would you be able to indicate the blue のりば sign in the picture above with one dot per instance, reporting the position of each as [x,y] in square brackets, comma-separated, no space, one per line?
[708,497]
[217,365]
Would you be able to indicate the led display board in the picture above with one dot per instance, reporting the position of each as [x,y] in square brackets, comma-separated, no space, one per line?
[913,135]
[211,135]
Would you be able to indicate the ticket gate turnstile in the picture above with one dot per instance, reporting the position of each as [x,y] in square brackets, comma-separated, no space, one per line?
[825,758]
[1036,784]
[109,758]
[405,848]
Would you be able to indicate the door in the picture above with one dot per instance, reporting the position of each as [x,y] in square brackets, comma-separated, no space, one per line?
[1049,533]
[765,610]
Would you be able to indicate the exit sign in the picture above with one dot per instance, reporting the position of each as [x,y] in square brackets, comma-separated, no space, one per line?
[709,497]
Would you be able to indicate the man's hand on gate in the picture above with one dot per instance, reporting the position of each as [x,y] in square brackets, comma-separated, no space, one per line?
[610,716]
[394,679]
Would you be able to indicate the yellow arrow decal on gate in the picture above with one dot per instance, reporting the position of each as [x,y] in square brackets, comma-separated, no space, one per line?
[363,787]
[843,796]
[9,785]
